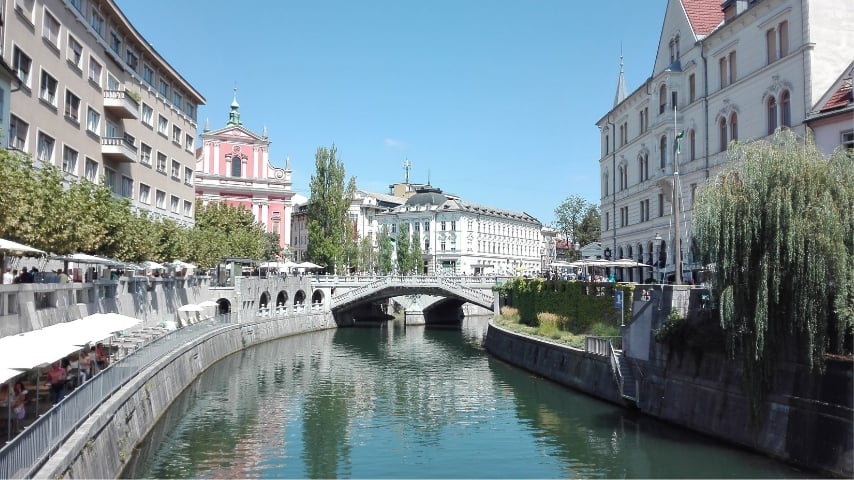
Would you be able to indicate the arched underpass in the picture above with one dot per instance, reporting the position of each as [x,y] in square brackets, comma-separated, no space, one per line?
[367,301]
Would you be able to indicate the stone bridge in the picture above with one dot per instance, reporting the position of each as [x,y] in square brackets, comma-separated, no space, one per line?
[351,297]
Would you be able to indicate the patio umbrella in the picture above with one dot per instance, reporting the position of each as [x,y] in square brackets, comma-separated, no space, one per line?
[191,307]
[19,249]
[149,265]
[628,263]
[308,265]
[208,303]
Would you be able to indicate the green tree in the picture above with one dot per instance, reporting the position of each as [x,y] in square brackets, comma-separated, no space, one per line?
[404,250]
[327,209]
[367,256]
[417,258]
[272,247]
[225,231]
[779,227]
[569,216]
[385,256]
[590,229]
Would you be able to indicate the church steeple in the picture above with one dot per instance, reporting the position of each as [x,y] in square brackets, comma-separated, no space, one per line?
[621,84]
[234,115]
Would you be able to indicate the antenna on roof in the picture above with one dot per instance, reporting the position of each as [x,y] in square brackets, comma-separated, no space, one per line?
[407,166]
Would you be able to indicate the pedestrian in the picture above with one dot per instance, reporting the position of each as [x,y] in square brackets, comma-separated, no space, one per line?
[8,277]
[56,376]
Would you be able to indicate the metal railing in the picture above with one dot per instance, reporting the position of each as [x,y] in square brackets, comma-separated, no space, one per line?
[605,347]
[25,453]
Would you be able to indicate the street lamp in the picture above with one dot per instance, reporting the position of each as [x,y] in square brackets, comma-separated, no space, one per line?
[657,263]
[577,248]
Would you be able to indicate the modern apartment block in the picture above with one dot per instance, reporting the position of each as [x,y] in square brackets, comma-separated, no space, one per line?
[738,70]
[98,102]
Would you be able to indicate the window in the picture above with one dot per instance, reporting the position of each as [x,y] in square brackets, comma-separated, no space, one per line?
[442,246]
[692,144]
[112,130]
[188,212]
[147,114]
[723,133]
[162,125]
[723,72]
[673,99]
[78,4]
[443,227]
[660,204]
[176,134]
[188,175]
[662,99]
[94,71]
[236,166]
[176,169]
[75,52]
[163,88]
[48,88]
[784,38]
[785,106]
[772,115]
[112,83]
[50,30]
[93,121]
[771,45]
[190,110]
[96,21]
[22,64]
[662,151]
[426,226]
[640,121]
[643,167]
[144,194]
[131,59]
[116,42]
[174,203]
[159,199]
[44,153]
[91,170]
[127,187]
[110,179]
[453,226]
[692,88]
[188,142]
[847,140]
[732,69]
[733,127]
[161,162]
[605,184]
[177,100]
[148,75]
[72,106]
[18,133]
[69,160]
[144,154]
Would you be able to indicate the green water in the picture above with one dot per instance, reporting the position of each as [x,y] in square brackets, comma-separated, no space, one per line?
[389,401]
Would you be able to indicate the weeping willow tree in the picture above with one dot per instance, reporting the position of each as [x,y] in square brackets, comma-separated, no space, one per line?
[779,226]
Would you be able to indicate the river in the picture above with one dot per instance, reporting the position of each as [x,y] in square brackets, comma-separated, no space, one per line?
[388,401]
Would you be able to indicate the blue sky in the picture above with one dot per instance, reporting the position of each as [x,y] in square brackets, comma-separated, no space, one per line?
[495,101]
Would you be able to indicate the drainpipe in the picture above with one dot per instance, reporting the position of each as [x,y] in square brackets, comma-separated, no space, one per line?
[613,183]
[705,102]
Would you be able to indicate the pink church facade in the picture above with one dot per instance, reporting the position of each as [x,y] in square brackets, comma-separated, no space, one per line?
[233,166]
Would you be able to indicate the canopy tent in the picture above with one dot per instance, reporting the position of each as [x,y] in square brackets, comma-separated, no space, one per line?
[191,307]
[89,260]
[30,350]
[307,265]
[149,265]
[18,249]
[627,263]
[208,303]
[7,374]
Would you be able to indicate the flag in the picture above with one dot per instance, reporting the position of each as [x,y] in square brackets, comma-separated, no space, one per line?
[677,147]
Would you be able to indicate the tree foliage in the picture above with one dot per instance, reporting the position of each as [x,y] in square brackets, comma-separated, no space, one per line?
[46,209]
[590,229]
[779,227]
[385,245]
[417,255]
[404,250]
[327,209]
[577,220]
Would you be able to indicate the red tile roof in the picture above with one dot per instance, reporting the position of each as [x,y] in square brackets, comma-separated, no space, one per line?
[841,98]
[704,15]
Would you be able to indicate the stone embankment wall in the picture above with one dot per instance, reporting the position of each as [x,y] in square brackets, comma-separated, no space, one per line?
[807,419]
[103,445]
[568,366]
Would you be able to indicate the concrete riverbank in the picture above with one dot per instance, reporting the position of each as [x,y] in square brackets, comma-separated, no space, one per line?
[103,445]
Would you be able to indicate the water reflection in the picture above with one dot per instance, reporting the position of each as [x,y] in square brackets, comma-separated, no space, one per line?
[411,402]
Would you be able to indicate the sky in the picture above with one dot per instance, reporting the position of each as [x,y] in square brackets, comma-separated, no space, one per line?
[495,101]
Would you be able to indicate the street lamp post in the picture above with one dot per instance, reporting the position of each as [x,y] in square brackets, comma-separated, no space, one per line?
[657,263]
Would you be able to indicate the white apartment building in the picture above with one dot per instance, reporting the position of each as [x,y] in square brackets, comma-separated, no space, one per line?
[461,238]
[737,70]
[97,101]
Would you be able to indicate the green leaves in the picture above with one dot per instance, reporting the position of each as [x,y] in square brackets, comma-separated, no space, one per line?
[328,233]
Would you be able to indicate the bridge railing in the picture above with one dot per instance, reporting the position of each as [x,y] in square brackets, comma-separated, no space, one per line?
[458,285]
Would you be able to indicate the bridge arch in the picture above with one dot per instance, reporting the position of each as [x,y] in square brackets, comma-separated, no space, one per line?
[317,297]
[264,300]
[299,297]
[223,306]
[282,299]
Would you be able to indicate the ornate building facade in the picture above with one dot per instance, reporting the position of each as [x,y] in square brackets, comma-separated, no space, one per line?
[732,71]
[233,166]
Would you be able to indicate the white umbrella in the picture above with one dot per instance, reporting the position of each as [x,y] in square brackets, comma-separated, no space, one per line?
[208,303]
[180,264]
[307,265]
[191,307]
[16,248]
[628,263]
[149,265]
[89,259]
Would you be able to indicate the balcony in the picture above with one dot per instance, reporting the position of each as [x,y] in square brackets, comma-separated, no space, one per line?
[121,104]
[118,148]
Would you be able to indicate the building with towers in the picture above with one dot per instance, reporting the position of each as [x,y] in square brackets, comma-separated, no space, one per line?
[233,166]
[736,70]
